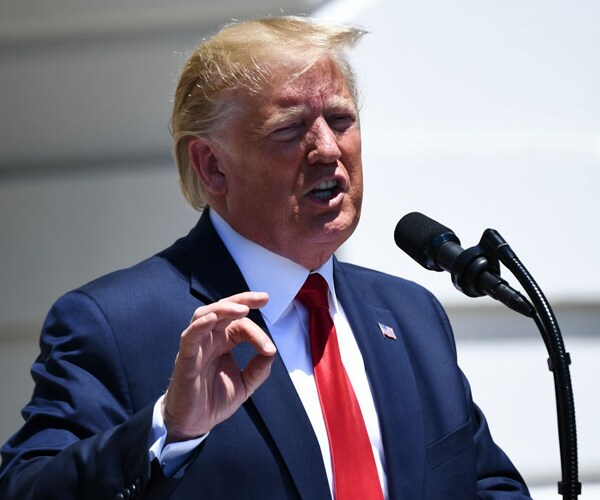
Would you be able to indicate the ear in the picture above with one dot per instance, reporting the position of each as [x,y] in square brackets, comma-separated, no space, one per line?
[206,165]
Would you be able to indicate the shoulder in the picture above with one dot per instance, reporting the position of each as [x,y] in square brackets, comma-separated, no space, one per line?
[109,321]
[164,270]
[150,288]
[373,280]
[361,285]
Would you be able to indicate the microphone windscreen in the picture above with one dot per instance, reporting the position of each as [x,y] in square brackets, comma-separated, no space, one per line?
[416,235]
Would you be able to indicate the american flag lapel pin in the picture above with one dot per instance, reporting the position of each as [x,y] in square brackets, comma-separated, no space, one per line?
[387,331]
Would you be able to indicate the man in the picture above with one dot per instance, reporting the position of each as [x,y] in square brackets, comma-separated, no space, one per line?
[266,132]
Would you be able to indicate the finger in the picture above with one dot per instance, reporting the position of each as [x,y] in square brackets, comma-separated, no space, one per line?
[239,303]
[246,330]
[256,372]
[254,300]
[231,310]
[193,335]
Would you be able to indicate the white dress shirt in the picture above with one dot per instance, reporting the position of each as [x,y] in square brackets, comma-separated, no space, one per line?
[287,321]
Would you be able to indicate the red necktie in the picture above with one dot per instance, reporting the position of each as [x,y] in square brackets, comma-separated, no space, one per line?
[354,471]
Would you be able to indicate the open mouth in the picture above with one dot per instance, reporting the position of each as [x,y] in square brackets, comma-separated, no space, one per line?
[326,190]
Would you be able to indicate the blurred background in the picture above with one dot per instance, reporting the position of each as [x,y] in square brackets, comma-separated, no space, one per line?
[478,114]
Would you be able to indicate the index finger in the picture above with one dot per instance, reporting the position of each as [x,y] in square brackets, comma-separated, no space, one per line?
[229,307]
[254,300]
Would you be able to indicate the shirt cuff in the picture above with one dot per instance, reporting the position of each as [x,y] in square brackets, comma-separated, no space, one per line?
[173,456]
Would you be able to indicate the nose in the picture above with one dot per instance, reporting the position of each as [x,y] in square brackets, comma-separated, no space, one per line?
[323,145]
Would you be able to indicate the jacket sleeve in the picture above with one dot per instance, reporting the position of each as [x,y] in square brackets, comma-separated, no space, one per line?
[80,436]
[497,477]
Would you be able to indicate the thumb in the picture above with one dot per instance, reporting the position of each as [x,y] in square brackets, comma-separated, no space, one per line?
[256,372]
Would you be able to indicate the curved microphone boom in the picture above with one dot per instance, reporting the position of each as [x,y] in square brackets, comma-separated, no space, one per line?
[437,248]
[475,272]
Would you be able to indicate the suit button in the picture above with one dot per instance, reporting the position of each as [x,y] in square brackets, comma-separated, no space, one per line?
[136,488]
[126,494]
[119,496]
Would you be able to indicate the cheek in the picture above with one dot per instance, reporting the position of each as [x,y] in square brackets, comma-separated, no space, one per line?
[274,194]
[351,148]
[354,168]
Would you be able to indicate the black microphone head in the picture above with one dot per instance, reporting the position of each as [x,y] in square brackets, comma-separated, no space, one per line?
[420,237]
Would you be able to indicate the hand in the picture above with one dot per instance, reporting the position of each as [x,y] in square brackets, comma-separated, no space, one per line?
[207,386]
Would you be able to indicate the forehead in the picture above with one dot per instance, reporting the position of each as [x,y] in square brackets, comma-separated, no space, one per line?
[323,86]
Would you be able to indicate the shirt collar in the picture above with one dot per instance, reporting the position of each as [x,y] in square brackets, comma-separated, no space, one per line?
[265,271]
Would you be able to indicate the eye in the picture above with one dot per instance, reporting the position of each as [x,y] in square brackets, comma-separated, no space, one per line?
[341,122]
[286,133]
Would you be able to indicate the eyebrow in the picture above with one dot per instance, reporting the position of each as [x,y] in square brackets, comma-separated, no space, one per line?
[339,101]
[284,115]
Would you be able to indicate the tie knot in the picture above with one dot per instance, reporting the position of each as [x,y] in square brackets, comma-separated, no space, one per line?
[314,292]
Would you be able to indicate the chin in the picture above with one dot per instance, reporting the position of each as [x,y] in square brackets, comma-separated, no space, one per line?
[336,232]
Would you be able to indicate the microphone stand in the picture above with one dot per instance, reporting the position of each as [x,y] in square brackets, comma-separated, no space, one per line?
[495,248]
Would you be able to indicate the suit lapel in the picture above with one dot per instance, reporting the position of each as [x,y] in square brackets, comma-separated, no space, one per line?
[278,404]
[393,385]
[214,275]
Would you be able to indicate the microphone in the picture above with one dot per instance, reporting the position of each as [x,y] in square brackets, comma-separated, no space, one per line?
[437,248]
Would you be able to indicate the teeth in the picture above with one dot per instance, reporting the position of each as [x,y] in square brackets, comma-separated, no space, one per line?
[327,184]
[324,190]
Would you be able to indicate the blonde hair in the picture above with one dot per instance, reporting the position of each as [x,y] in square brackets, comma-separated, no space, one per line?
[242,57]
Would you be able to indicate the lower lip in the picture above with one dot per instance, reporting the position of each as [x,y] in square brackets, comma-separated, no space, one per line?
[327,202]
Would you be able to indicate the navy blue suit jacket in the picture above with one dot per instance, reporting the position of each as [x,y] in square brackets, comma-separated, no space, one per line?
[107,351]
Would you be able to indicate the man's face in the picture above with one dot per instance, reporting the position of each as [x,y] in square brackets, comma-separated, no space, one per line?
[291,166]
